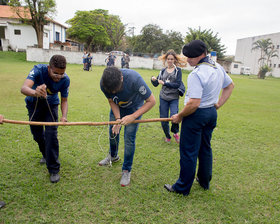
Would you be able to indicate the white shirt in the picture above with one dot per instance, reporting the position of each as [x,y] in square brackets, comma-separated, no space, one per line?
[205,82]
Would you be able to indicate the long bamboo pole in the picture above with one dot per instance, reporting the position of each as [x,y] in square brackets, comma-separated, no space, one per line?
[80,123]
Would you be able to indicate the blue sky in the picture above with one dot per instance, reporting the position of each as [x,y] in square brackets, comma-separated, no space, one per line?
[232,20]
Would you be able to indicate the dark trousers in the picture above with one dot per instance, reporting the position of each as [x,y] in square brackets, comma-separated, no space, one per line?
[195,142]
[45,136]
[164,108]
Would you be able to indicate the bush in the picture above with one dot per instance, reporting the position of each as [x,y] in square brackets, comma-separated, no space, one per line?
[263,70]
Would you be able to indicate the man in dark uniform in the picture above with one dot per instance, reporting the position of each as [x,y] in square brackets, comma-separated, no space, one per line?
[199,117]
[41,88]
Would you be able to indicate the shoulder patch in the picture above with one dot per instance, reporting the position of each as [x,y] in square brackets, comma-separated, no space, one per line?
[143,90]
[31,74]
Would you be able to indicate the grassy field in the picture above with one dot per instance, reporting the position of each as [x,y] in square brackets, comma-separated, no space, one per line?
[246,177]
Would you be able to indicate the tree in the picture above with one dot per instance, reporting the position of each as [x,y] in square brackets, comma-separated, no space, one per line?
[211,40]
[34,12]
[268,51]
[175,41]
[88,27]
[115,30]
[97,28]
[151,40]
[4,2]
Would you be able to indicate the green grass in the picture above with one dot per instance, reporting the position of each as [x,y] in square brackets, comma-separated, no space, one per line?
[246,176]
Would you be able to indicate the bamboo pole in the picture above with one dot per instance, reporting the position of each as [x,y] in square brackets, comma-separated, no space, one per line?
[38,123]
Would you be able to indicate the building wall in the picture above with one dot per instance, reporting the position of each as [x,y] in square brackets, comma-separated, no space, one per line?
[235,68]
[55,28]
[250,58]
[26,38]
[47,36]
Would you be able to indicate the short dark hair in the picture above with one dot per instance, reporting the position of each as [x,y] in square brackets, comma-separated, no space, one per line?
[58,61]
[111,79]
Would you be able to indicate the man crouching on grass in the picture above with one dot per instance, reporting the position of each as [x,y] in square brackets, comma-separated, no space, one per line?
[129,98]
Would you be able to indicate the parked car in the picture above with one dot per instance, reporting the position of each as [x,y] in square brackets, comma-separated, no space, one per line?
[245,70]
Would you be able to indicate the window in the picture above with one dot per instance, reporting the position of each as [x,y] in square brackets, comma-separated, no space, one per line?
[45,34]
[17,32]
[278,65]
[274,65]
[57,35]
[235,66]
[277,46]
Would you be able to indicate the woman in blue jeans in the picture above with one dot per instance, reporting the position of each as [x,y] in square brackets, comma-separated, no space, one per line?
[170,77]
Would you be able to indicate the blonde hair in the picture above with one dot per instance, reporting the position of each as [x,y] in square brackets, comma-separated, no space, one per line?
[180,60]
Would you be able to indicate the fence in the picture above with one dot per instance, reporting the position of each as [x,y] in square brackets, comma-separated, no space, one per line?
[44,55]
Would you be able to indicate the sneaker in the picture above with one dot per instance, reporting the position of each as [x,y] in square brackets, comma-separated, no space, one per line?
[167,140]
[2,204]
[177,137]
[43,160]
[54,177]
[108,160]
[125,178]
[169,188]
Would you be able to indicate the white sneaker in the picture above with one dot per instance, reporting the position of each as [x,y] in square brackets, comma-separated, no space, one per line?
[125,178]
[109,160]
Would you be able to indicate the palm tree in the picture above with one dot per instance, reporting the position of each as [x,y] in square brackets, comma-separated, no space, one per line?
[272,52]
[267,52]
[212,41]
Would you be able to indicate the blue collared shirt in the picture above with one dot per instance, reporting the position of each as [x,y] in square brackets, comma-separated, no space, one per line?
[206,81]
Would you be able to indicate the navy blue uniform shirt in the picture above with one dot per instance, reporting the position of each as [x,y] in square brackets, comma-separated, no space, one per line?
[39,75]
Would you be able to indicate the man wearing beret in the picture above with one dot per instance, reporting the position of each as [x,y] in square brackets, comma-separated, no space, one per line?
[199,117]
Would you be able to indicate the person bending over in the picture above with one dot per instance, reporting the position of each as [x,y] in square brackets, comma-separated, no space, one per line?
[129,98]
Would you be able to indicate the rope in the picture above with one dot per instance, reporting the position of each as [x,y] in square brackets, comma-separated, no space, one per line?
[81,123]
[36,109]
[50,110]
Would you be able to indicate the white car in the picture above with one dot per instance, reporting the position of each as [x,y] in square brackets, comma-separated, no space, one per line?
[245,70]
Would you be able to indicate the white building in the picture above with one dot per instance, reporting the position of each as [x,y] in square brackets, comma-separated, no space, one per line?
[16,35]
[249,59]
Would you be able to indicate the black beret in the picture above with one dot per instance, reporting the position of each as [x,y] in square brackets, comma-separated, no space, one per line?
[194,49]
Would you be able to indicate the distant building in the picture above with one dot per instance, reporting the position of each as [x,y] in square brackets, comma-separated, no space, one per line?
[248,59]
[17,36]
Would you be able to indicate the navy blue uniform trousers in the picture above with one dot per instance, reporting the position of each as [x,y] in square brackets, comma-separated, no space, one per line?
[45,136]
[195,142]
